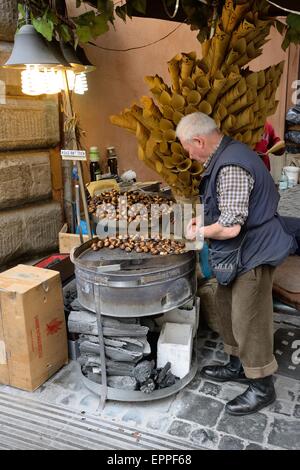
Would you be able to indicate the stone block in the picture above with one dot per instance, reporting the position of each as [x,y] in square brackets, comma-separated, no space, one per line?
[8,19]
[29,230]
[286,434]
[180,429]
[24,177]
[231,443]
[205,437]
[28,123]
[247,427]
[199,409]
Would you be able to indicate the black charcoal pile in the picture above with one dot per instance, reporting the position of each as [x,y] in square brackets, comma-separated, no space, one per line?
[126,346]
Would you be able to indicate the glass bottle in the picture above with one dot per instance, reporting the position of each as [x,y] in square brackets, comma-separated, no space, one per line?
[95,171]
[112,161]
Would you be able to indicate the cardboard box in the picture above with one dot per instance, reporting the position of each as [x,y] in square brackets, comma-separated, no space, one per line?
[67,241]
[33,339]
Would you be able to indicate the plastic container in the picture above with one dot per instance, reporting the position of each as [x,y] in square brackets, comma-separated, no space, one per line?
[95,171]
[283,181]
[292,173]
[175,345]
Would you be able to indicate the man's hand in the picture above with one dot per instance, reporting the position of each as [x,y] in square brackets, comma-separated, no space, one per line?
[193,227]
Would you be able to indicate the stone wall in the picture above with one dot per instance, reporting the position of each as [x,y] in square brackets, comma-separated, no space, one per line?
[29,127]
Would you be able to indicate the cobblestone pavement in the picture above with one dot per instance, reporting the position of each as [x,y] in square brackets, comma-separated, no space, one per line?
[196,414]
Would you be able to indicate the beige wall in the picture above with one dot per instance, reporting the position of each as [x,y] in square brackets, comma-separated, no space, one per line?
[118,80]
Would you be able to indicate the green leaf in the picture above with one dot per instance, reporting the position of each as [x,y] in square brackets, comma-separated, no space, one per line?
[78,3]
[139,5]
[293,21]
[44,27]
[121,12]
[84,33]
[64,32]
[107,8]
[21,10]
[100,25]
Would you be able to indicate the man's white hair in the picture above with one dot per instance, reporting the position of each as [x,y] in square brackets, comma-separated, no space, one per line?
[194,125]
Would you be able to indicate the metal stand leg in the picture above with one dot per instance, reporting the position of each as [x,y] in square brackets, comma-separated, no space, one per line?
[103,392]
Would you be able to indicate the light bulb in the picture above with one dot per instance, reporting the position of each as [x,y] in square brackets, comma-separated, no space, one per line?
[32,80]
[81,85]
[39,81]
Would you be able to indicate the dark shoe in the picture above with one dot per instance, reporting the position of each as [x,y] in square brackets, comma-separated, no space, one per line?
[233,371]
[260,393]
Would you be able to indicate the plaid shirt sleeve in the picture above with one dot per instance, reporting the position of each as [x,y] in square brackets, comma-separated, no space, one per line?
[234,185]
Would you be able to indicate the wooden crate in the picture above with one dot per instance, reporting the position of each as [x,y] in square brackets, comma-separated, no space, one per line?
[67,241]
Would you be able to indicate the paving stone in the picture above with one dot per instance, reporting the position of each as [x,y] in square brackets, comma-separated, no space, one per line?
[158,423]
[205,437]
[231,443]
[281,407]
[221,356]
[210,388]
[207,353]
[254,447]
[285,433]
[180,429]
[286,388]
[247,427]
[195,383]
[198,409]
[210,344]
[297,411]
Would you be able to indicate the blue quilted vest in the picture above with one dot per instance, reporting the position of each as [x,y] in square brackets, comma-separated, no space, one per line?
[266,240]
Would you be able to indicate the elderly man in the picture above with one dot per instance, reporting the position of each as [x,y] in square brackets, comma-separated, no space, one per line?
[247,240]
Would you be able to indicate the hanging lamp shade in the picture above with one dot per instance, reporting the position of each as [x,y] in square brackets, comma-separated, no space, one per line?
[77,58]
[31,49]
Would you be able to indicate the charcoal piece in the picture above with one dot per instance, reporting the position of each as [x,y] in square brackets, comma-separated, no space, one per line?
[143,370]
[168,380]
[112,367]
[116,354]
[123,355]
[81,321]
[148,386]
[163,372]
[122,382]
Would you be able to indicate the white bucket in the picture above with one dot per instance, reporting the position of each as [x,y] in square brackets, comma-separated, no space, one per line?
[292,172]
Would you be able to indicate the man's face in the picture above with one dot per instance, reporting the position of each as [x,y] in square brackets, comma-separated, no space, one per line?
[197,148]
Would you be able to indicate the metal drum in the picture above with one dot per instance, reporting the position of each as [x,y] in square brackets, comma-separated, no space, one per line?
[143,284]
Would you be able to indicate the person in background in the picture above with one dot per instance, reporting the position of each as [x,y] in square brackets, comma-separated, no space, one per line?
[269,139]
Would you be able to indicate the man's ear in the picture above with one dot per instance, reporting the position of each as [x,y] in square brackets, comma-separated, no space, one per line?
[199,141]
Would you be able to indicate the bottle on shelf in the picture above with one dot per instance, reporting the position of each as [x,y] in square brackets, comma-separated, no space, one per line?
[112,161]
[283,181]
[95,171]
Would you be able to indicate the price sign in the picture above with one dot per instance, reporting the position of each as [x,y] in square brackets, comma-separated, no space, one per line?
[73,154]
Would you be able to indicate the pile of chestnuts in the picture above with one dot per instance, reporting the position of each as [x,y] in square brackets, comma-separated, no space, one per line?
[155,246]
